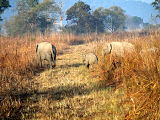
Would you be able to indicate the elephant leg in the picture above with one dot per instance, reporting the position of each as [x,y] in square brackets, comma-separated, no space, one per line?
[54,63]
[50,64]
[91,66]
[39,61]
[87,66]
[53,59]
[48,60]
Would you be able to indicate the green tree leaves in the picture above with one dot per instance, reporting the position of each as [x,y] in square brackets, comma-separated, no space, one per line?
[4,4]
[32,17]
[114,18]
[134,22]
[156,5]
[81,20]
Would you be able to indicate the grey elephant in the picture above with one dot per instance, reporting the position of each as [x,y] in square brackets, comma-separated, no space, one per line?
[89,59]
[149,51]
[46,51]
[117,48]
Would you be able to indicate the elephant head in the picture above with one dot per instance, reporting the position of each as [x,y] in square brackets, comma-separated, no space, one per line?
[107,48]
[83,58]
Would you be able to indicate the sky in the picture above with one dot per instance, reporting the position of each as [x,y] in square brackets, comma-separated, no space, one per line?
[10,12]
[147,1]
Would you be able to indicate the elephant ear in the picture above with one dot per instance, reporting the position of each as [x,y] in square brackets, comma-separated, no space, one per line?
[106,49]
[83,57]
[110,48]
[36,48]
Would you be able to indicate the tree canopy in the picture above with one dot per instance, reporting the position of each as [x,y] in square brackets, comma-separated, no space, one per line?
[32,17]
[79,18]
[133,22]
[35,16]
[99,19]
[4,4]
[111,19]
[114,18]
[156,5]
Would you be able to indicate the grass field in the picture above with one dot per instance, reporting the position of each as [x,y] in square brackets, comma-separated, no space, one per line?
[72,92]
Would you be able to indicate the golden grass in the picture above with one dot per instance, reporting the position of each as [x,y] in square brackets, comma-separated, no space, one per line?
[138,75]
[70,91]
[18,66]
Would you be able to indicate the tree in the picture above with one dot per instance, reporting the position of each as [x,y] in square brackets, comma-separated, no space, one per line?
[16,26]
[4,4]
[99,19]
[32,17]
[79,18]
[148,26]
[114,19]
[156,5]
[133,22]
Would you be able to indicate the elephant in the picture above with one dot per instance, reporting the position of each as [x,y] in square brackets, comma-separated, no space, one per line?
[46,51]
[117,48]
[89,59]
[149,51]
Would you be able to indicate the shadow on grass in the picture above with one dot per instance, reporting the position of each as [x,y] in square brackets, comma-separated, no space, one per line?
[59,93]
[62,92]
[77,42]
[39,70]
[55,93]
[73,65]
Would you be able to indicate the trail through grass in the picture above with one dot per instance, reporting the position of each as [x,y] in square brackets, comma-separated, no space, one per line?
[69,92]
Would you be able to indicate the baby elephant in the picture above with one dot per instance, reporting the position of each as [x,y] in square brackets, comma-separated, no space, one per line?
[46,51]
[90,59]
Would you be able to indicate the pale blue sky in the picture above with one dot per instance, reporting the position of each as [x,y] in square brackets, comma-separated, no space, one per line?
[147,1]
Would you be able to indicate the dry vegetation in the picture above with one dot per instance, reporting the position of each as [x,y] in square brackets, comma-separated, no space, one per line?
[128,89]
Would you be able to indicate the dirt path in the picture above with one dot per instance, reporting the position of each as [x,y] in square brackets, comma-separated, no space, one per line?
[68,71]
[68,92]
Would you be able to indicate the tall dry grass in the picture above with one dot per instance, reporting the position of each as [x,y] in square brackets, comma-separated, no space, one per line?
[139,76]
[141,79]
[18,66]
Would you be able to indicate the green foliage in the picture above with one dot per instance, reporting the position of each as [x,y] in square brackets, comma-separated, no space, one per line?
[156,5]
[147,26]
[32,17]
[23,6]
[114,19]
[16,25]
[80,19]
[137,20]
[3,5]
[110,19]
[99,19]
[134,22]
